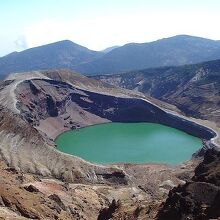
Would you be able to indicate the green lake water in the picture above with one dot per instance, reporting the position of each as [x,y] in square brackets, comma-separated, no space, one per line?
[129,143]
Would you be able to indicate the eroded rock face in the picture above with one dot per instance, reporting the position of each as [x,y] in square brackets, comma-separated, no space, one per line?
[36,107]
[67,107]
[199,198]
[209,170]
[28,148]
[48,198]
[194,89]
[107,213]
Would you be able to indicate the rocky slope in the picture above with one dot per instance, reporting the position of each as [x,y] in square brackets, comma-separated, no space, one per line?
[199,198]
[25,146]
[28,196]
[24,196]
[46,106]
[37,106]
[194,89]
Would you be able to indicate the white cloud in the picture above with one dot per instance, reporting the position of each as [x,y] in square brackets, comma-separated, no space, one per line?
[100,32]
[21,43]
[46,31]
[100,24]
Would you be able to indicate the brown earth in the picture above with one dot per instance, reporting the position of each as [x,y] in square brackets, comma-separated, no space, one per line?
[199,198]
[40,182]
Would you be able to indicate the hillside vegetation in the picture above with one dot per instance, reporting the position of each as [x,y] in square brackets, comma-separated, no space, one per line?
[176,50]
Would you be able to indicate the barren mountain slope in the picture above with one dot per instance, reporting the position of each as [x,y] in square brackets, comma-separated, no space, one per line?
[194,89]
[198,198]
[38,106]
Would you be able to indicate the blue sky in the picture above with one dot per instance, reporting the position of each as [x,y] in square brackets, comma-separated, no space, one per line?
[98,24]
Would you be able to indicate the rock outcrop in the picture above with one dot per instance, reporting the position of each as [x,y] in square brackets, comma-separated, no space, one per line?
[194,89]
[199,198]
[36,107]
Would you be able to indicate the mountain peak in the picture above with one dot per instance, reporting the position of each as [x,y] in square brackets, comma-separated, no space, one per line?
[186,37]
[172,51]
[66,42]
[108,49]
[61,54]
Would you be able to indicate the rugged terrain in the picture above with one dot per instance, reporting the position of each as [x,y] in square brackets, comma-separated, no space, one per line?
[40,182]
[199,198]
[28,196]
[194,89]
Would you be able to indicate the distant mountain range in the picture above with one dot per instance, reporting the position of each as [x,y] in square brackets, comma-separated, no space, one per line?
[62,54]
[194,89]
[107,50]
[178,50]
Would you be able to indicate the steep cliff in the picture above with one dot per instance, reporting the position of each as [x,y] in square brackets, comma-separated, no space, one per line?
[35,107]
[194,89]
[199,198]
